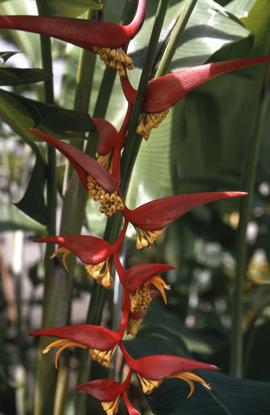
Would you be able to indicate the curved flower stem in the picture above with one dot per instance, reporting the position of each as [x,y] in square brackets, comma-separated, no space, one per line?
[44,391]
[236,365]
[175,36]
[133,140]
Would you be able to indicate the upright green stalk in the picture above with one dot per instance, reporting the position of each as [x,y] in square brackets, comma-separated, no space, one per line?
[73,207]
[175,36]
[44,391]
[236,365]
[133,140]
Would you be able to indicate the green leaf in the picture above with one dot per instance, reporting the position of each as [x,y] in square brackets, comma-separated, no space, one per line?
[6,55]
[23,113]
[11,219]
[228,396]
[72,8]
[209,29]
[29,43]
[258,22]
[33,203]
[17,117]
[240,8]
[18,76]
[56,118]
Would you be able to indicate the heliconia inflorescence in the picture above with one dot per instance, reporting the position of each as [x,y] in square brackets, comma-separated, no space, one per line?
[101,178]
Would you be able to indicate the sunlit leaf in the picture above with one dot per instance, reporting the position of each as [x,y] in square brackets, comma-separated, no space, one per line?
[72,8]
[12,219]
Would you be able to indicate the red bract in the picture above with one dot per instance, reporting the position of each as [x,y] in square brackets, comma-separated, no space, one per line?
[94,252]
[109,393]
[85,165]
[102,186]
[100,341]
[151,370]
[149,219]
[107,136]
[109,40]
[141,273]
[144,284]
[164,92]
[180,83]
[102,389]
[110,143]
[157,367]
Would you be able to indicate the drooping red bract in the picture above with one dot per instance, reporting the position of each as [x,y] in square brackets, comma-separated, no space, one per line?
[137,275]
[84,33]
[160,213]
[164,92]
[90,249]
[107,136]
[158,367]
[104,390]
[85,165]
[89,335]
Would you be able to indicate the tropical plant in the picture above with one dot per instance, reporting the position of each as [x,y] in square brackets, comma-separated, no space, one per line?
[132,70]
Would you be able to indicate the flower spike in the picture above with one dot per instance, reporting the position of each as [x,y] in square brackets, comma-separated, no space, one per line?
[151,218]
[99,341]
[102,186]
[109,40]
[164,92]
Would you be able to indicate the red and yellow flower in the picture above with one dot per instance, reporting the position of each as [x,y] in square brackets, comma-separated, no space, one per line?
[144,284]
[94,252]
[150,219]
[100,342]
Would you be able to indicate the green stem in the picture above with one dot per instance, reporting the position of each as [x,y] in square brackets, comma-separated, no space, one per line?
[44,392]
[174,36]
[241,245]
[133,140]
[105,92]
[73,207]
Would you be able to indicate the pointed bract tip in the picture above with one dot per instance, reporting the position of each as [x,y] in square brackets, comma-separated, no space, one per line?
[236,194]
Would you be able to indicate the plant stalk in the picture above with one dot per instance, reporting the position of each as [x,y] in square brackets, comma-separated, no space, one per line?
[44,391]
[236,364]
[73,207]
[133,140]
[175,36]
